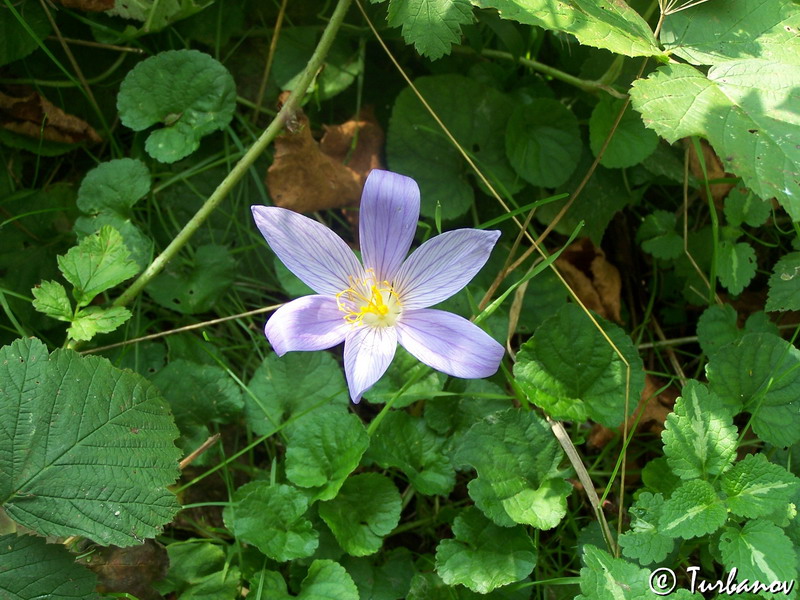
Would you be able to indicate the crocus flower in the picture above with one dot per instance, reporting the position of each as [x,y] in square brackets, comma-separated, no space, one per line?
[374,306]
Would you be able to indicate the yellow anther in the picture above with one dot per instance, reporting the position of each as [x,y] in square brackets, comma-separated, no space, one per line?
[379,309]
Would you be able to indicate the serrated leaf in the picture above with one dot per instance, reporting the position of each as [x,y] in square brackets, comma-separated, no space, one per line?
[744,107]
[717,327]
[324,447]
[743,206]
[543,142]
[188,92]
[272,518]
[94,319]
[693,510]
[433,26]
[327,580]
[96,264]
[366,509]
[87,448]
[404,442]
[517,458]
[768,387]
[416,145]
[757,487]
[32,569]
[569,369]
[607,577]
[736,265]
[631,142]
[657,235]
[484,556]
[50,298]
[699,436]
[784,284]
[599,23]
[644,542]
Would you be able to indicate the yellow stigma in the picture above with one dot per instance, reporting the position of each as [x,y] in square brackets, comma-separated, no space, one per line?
[367,302]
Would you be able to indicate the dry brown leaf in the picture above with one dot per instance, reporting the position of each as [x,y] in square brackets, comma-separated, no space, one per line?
[338,140]
[595,280]
[33,115]
[88,5]
[130,570]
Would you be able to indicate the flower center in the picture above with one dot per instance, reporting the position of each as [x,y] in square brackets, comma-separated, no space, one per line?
[370,303]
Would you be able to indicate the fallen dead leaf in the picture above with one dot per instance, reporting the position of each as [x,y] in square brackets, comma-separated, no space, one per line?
[338,143]
[31,114]
[88,5]
[595,280]
[130,570]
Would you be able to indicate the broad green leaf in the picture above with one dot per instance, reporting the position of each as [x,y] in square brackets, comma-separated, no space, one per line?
[417,146]
[644,542]
[657,235]
[713,32]
[405,366]
[600,23]
[760,551]
[699,436]
[693,510]
[517,458]
[743,206]
[718,327]
[94,319]
[272,518]
[484,556]
[327,580]
[278,394]
[50,298]
[196,286]
[744,107]
[658,477]
[405,442]
[631,142]
[432,26]
[389,581]
[429,586]
[543,142]
[33,569]
[768,386]
[756,487]
[186,91]
[198,571]
[96,264]
[324,447]
[605,577]
[366,509]
[569,369]
[736,265]
[157,14]
[87,449]
[784,284]
[15,41]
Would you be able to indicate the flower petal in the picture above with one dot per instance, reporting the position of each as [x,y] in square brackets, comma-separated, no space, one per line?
[308,323]
[387,221]
[442,266]
[368,351]
[319,257]
[449,343]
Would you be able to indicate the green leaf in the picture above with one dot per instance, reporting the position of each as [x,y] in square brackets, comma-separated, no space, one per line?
[157,14]
[416,145]
[324,447]
[699,436]
[645,542]
[717,328]
[433,26]
[96,264]
[188,92]
[744,107]
[631,143]
[736,265]
[484,556]
[784,285]
[366,509]
[87,448]
[693,510]
[406,366]
[272,518]
[33,569]
[50,298]
[93,320]
[760,551]
[517,458]
[389,581]
[569,369]
[404,442]
[15,41]
[599,23]
[657,235]
[768,388]
[195,287]
[277,394]
[543,142]
[606,577]
[756,487]
[198,570]
[743,206]
[327,580]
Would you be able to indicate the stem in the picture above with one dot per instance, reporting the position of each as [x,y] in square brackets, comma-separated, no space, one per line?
[238,171]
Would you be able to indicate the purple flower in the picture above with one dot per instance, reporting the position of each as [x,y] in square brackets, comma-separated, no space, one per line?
[373,307]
